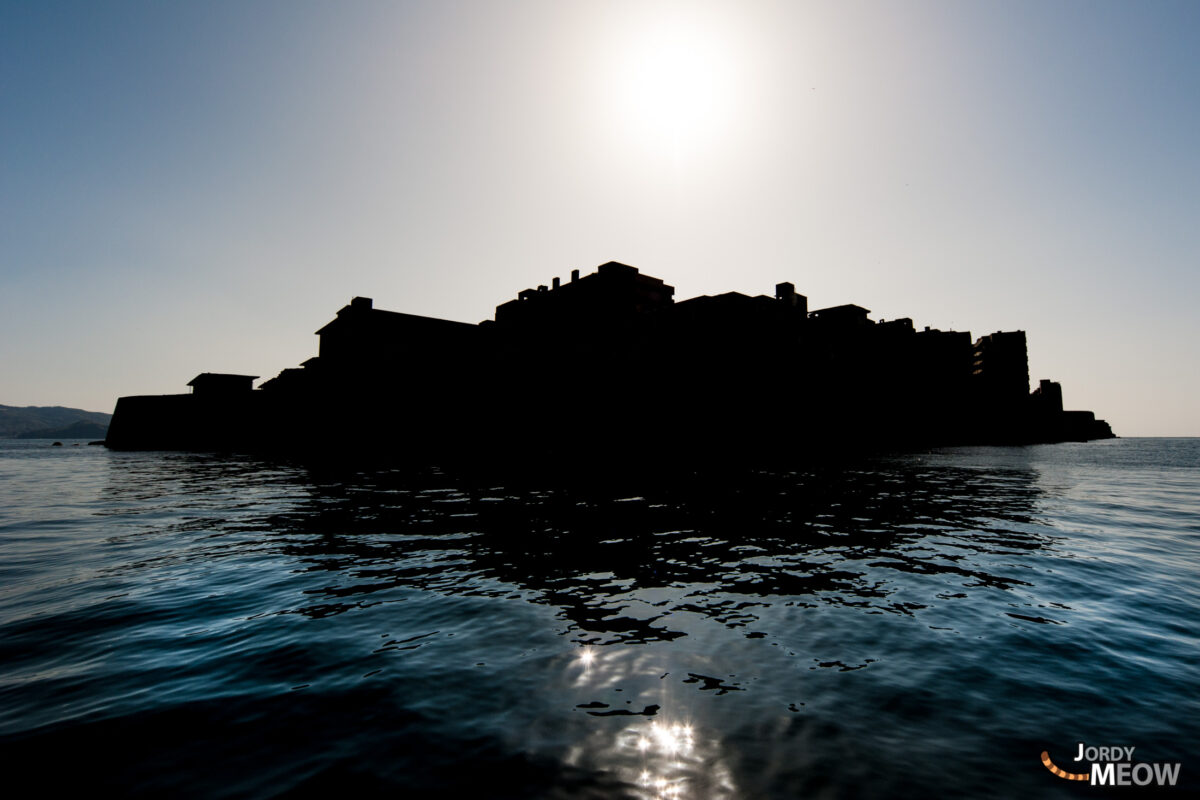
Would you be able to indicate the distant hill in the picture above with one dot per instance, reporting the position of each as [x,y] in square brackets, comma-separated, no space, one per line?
[51,422]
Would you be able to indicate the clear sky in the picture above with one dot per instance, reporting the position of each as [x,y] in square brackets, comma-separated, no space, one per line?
[189,187]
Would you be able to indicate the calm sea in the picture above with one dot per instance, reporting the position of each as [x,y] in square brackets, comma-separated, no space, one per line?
[906,626]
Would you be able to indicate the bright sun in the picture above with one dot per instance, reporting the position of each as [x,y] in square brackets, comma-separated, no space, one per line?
[672,84]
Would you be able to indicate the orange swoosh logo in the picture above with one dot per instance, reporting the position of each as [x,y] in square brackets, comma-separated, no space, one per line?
[1062,773]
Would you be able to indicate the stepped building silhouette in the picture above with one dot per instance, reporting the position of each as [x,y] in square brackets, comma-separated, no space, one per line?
[610,363]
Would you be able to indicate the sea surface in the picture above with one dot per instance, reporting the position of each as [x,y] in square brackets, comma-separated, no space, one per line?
[918,625]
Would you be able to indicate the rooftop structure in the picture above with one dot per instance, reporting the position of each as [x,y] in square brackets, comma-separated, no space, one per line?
[216,383]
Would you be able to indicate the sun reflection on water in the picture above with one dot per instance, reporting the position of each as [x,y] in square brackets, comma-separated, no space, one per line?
[662,752]
[667,751]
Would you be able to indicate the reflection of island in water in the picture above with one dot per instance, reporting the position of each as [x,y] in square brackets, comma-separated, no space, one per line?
[644,577]
[641,562]
[610,364]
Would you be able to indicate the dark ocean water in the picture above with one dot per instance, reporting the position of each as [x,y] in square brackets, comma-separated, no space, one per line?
[905,626]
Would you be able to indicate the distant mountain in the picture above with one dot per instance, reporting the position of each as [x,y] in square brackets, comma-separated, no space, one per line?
[51,422]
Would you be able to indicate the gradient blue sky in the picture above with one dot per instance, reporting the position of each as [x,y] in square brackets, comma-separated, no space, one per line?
[190,187]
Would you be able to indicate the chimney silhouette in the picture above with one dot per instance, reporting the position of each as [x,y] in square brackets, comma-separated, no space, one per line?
[786,293]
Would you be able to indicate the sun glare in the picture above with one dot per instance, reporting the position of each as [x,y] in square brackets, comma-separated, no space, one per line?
[673,87]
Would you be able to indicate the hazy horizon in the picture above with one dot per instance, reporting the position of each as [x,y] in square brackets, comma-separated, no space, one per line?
[198,188]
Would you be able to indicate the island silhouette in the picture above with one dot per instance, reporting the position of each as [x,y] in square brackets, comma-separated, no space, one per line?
[609,364]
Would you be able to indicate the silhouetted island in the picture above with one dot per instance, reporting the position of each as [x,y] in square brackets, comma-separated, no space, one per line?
[610,364]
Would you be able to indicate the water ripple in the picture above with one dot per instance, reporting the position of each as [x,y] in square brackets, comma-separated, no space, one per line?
[845,629]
